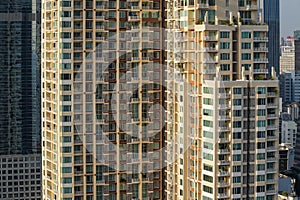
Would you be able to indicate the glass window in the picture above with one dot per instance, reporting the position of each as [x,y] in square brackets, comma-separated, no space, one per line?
[246,34]
[225,34]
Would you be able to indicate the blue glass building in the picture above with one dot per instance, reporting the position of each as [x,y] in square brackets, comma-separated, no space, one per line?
[270,11]
[20,77]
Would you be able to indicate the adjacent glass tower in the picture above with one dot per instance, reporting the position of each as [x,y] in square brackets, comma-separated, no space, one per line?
[20,76]
[270,12]
[20,109]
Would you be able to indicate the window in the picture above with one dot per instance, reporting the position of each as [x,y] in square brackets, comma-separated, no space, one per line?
[225,34]
[261,112]
[260,178]
[67,190]
[236,179]
[261,145]
[207,189]
[237,113]
[261,156]
[208,90]
[237,135]
[246,45]
[224,45]
[225,56]
[237,124]
[66,138]
[236,190]
[261,134]
[260,167]
[237,146]
[208,145]
[208,156]
[261,123]
[208,101]
[207,112]
[208,123]
[225,67]
[66,149]
[67,159]
[208,134]
[65,35]
[208,167]
[246,34]
[237,102]
[237,90]
[208,178]
[261,90]
[261,101]
[66,170]
[66,45]
[260,189]
[246,56]
[237,157]
[236,169]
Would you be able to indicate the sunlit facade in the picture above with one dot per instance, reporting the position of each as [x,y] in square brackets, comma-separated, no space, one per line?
[102,99]
[222,110]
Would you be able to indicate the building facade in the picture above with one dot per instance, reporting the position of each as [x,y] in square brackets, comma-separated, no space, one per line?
[287,86]
[21,177]
[20,100]
[287,57]
[288,130]
[297,49]
[102,99]
[20,77]
[222,120]
[270,12]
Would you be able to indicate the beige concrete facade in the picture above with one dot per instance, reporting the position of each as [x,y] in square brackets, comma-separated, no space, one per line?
[102,113]
[222,111]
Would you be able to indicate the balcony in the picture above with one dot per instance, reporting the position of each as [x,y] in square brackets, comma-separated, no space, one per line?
[210,38]
[272,94]
[224,129]
[272,127]
[224,151]
[223,162]
[209,49]
[203,5]
[260,49]
[223,196]
[261,60]
[261,71]
[223,140]
[224,118]
[133,18]
[261,39]
[272,116]
[209,60]
[223,184]
[223,173]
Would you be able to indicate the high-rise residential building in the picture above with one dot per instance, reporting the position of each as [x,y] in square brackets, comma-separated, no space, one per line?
[20,100]
[288,130]
[102,99]
[287,57]
[270,13]
[222,110]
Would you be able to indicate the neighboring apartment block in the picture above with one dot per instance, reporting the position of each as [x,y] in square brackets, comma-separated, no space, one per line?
[102,99]
[287,57]
[222,111]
